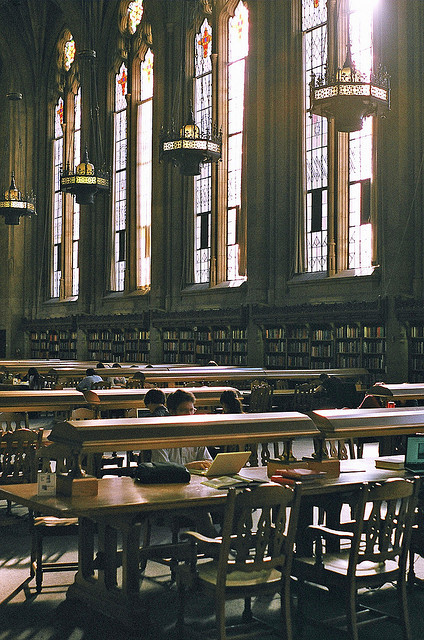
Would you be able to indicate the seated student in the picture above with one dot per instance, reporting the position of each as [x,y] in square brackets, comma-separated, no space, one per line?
[89,381]
[155,402]
[181,403]
[36,381]
[230,403]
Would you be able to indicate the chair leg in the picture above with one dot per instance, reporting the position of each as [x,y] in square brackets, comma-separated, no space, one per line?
[246,616]
[403,608]
[351,622]
[220,616]
[286,624]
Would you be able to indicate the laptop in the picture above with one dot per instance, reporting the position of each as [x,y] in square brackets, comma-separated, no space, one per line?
[414,456]
[224,464]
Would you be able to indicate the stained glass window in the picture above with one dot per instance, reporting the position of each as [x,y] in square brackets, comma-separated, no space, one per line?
[135,14]
[314,26]
[238,48]
[76,206]
[57,199]
[144,170]
[120,178]
[69,51]
[203,182]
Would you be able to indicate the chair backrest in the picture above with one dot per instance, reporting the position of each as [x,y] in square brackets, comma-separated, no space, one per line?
[259,530]
[12,421]
[260,397]
[18,462]
[384,519]
[104,384]
[304,395]
[91,397]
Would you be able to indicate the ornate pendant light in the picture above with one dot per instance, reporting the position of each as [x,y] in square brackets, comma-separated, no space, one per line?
[87,179]
[13,204]
[189,145]
[348,96]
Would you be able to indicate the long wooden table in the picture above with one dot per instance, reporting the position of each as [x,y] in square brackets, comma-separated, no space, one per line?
[196,375]
[122,506]
[68,399]
[398,392]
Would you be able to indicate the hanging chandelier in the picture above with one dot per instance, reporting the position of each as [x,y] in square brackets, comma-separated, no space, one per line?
[187,144]
[348,96]
[88,178]
[13,204]
[189,147]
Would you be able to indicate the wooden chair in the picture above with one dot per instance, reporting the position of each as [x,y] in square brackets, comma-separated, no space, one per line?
[253,556]
[378,542]
[42,526]
[260,402]
[12,421]
[18,457]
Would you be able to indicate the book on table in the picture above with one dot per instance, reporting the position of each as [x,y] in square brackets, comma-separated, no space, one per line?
[390,462]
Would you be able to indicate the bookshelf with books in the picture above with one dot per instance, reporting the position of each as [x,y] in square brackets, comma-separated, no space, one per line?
[374,349]
[416,353]
[348,346]
[275,347]
[137,345]
[45,344]
[199,345]
[298,339]
[321,347]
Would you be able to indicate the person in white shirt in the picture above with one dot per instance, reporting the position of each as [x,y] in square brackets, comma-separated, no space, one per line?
[90,379]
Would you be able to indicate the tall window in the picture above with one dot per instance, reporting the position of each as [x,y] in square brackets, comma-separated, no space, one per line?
[348,155]
[120,179]
[57,199]
[314,24]
[360,146]
[76,207]
[238,48]
[144,170]
[66,153]
[203,182]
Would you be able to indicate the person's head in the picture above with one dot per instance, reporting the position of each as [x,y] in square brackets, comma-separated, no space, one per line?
[230,403]
[90,372]
[324,377]
[181,403]
[32,371]
[100,365]
[154,397]
[117,365]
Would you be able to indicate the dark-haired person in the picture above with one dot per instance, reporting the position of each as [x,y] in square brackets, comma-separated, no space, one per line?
[181,403]
[35,380]
[91,378]
[155,400]
[230,402]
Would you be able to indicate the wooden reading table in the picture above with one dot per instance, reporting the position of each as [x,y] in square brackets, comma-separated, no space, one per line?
[67,399]
[122,505]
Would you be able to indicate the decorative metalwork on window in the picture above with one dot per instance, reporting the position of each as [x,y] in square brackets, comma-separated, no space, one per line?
[144,170]
[76,206]
[238,49]
[135,14]
[203,182]
[69,51]
[57,200]
[120,178]
[314,26]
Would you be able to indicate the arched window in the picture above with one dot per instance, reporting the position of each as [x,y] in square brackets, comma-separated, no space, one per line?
[238,49]
[120,179]
[144,170]
[66,153]
[57,199]
[203,182]
[339,166]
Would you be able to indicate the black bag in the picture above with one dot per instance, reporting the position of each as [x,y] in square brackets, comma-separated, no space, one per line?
[161,473]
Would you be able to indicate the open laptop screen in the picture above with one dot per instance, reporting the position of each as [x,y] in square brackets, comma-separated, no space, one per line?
[414,457]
